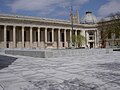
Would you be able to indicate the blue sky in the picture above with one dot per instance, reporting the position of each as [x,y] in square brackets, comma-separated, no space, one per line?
[59,9]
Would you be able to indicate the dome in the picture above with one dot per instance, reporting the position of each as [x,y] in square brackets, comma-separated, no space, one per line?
[89,18]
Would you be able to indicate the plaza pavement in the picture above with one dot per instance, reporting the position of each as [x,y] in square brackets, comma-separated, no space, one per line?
[93,72]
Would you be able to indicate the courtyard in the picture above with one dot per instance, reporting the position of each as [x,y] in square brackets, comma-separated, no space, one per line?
[81,72]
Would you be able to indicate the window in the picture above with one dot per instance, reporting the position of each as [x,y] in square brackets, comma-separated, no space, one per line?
[90,38]
[91,33]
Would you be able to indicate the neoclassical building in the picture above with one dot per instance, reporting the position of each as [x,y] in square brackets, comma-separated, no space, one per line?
[33,32]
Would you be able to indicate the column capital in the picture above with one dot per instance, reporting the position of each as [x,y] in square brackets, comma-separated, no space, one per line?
[46,28]
[31,27]
[65,30]
[39,28]
[59,29]
[23,26]
[52,28]
[14,25]
[5,25]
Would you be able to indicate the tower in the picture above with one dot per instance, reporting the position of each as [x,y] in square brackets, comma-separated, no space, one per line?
[76,18]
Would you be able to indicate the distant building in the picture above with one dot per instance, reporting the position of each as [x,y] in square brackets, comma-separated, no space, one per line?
[32,32]
[109,33]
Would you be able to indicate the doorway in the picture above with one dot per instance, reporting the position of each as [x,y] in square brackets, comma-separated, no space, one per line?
[91,44]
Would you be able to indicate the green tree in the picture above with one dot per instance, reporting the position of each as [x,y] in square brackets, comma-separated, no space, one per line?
[79,40]
[109,29]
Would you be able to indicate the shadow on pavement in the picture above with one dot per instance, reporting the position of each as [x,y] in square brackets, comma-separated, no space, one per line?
[5,61]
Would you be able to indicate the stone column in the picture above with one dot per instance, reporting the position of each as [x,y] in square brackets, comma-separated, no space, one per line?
[52,37]
[58,38]
[45,37]
[38,37]
[95,39]
[14,37]
[22,37]
[5,33]
[76,38]
[70,44]
[86,38]
[65,38]
[31,38]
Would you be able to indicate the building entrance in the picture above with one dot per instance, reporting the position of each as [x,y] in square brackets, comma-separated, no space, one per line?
[91,44]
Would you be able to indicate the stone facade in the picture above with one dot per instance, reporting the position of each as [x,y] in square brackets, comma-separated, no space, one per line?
[33,32]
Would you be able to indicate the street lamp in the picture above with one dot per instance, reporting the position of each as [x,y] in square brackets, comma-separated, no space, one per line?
[71,14]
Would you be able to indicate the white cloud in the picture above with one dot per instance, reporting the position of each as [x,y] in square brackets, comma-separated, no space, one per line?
[32,5]
[112,6]
[43,6]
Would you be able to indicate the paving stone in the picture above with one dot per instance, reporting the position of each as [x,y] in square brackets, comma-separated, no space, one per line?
[21,86]
[68,76]
[100,71]
[37,76]
[1,88]
[6,75]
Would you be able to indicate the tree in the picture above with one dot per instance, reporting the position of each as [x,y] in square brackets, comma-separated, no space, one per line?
[109,29]
[103,33]
[115,26]
[79,40]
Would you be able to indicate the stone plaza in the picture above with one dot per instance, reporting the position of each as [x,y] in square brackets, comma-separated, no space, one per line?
[91,69]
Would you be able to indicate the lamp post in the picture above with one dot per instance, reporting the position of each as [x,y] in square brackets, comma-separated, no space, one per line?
[71,13]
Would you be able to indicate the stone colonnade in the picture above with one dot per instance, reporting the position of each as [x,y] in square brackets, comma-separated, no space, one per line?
[35,37]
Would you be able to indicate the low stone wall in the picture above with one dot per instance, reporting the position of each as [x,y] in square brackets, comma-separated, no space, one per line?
[31,53]
[80,52]
[58,53]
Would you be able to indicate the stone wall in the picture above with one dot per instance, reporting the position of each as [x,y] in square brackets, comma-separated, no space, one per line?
[31,53]
[58,53]
[80,52]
